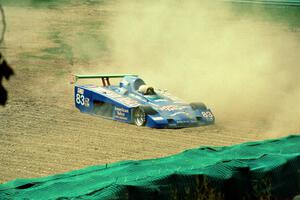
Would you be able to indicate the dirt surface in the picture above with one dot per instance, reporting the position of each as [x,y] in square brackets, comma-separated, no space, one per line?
[41,131]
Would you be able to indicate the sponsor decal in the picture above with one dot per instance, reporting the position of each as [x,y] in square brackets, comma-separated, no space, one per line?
[121,111]
[169,108]
[172,108]
[186,121]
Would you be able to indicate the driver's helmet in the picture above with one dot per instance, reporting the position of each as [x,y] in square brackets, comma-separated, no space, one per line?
[146,90]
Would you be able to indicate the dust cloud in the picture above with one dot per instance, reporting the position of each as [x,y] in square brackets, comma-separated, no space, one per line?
[246,69]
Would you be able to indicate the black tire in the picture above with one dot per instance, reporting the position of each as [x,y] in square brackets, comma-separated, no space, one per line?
[139,117]
[198,105]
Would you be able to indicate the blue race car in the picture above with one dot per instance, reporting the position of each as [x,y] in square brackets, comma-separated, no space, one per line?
[134,102]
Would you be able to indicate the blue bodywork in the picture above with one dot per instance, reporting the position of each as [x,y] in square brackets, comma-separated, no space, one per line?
[119,103]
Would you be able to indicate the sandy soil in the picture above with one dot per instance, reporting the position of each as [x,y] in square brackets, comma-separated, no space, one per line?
[41,131]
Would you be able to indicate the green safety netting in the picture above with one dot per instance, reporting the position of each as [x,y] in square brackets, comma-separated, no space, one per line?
[268,2]
[256,170]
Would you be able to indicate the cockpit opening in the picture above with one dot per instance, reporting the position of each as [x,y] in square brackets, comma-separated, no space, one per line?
[146,90]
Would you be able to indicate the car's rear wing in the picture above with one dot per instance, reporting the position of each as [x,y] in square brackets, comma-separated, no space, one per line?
[104,77]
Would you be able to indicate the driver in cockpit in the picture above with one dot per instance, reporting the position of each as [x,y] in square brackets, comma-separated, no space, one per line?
[146,90]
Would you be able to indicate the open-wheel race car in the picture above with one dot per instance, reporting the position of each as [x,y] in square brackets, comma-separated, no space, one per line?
[134,102]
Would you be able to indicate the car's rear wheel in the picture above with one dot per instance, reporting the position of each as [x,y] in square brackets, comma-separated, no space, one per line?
[139,117]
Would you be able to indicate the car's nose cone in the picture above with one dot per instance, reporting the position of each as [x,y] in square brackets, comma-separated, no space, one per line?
[181,119]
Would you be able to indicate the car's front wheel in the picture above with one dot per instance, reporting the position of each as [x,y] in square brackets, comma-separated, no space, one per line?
[139,117]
